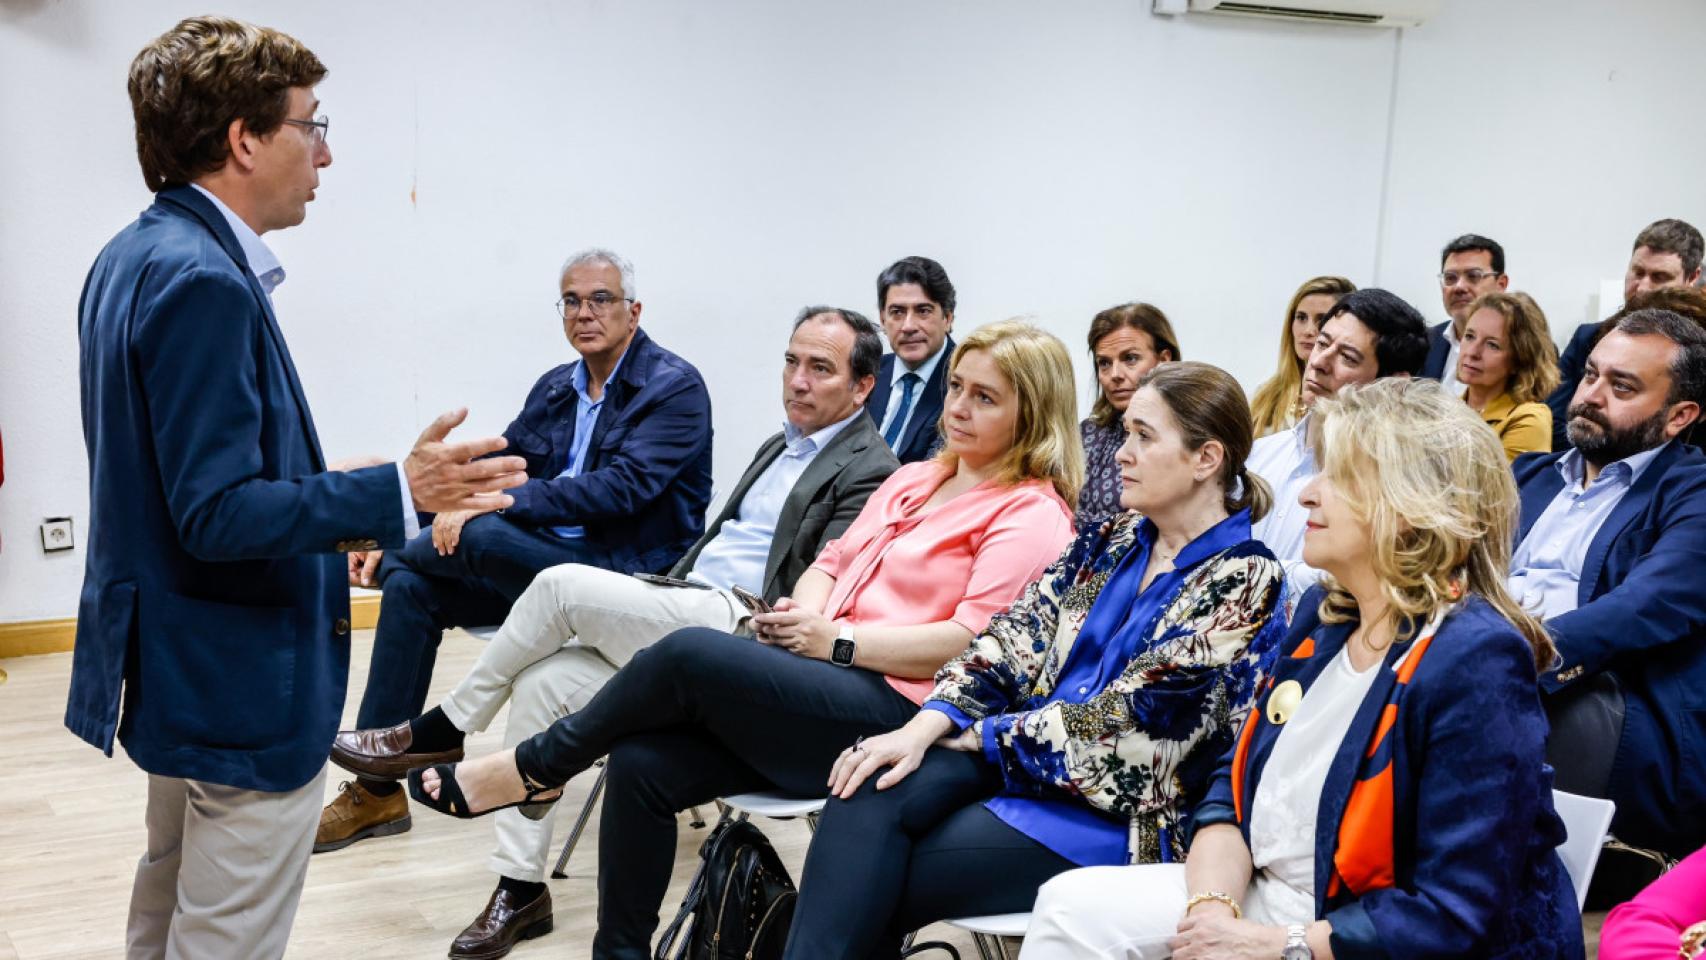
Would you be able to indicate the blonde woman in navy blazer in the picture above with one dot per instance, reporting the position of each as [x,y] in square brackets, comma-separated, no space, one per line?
[1411,814]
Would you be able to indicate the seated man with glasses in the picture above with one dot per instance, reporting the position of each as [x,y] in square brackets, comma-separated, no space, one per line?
[618,451]
[1469,266]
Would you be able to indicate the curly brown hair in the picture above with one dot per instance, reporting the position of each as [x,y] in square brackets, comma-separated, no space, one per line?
[190,83]
[1534,357]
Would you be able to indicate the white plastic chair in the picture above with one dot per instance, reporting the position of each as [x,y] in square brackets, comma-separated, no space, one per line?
[1586,822]
[775,805]
[987,932]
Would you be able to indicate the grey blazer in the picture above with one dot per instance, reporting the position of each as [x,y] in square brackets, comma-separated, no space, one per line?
[821,506]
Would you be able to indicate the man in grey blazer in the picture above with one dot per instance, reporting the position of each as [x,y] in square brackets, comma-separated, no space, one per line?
[576,625]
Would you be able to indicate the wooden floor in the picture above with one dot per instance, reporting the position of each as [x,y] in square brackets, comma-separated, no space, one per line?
[71,831]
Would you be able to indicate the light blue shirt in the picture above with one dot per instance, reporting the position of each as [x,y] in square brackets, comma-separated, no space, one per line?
[269,273]
[1287,463]
[740,551]
[925,371]
[1546,570]
[586,418]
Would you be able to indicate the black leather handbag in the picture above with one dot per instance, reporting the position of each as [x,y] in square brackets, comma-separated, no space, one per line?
[739,905]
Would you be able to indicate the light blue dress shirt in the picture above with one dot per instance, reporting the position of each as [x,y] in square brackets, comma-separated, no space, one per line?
[269,272]
[1546,570]
[586,418]
[740,551]
[925,371]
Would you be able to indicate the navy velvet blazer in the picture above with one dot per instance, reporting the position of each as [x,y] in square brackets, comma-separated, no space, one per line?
[642,492]
[921,436]
[1475,869]
[213,627]
[1642,616]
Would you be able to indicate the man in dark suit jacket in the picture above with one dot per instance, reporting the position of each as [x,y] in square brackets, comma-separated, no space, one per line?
[1667,254]
[1469,266]
[576,625]
[213,628]
[916,301]
[618,450]
[1613,540]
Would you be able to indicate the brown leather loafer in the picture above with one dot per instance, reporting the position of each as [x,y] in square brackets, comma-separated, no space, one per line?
[384,754]
[501,925]
[357,815]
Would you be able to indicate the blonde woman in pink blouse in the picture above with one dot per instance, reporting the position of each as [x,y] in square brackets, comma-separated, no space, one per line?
[940,547]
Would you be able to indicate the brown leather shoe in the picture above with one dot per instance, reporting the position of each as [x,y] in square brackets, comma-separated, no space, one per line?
[384,754]
[357,815]
[501,925]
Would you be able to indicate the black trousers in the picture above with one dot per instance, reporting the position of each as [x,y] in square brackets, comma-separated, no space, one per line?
[701,714]
[1587,723]
[888,862]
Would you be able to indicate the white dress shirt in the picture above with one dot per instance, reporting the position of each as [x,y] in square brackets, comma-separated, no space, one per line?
[1287,463]
[1448,375]
[269,272]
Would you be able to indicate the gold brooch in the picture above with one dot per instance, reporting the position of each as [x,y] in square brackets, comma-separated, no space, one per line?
[1282,703]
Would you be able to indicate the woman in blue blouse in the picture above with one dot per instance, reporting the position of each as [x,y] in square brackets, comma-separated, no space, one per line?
[1126,342]
[1083,722]
[1388,797]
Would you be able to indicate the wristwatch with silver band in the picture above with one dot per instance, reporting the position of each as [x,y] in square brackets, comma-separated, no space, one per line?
[1296,946]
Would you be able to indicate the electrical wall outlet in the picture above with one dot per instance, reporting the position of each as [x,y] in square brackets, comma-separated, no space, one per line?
[56,534]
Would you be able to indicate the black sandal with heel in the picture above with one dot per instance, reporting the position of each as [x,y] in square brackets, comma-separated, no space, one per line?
[451,802]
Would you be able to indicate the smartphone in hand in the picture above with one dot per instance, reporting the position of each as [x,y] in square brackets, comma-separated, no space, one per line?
[750,600]
[663,581]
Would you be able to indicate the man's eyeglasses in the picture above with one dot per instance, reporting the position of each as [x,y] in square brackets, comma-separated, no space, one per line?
[319,127]
[1450,277]
[600,303]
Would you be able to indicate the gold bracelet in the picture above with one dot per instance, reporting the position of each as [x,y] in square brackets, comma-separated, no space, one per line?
[1693,940]
[1218,897]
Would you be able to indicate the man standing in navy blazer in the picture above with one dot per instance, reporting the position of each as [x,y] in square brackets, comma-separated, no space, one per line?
[1611,552]
[916,301]
[213,628]
[618,448]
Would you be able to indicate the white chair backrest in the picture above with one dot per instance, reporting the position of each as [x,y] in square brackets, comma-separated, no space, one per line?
[1586,822]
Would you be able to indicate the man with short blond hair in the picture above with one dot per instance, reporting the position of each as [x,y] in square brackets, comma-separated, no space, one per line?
[213,629]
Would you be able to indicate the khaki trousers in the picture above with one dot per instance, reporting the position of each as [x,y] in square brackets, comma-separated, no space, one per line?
[223,872]
[567,634]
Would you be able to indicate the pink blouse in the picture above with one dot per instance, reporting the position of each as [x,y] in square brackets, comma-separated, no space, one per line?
[965,560]
[1650,926]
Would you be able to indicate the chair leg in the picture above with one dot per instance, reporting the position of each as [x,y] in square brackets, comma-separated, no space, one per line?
[982,943]
[811,821]
[557,872]
[698,821]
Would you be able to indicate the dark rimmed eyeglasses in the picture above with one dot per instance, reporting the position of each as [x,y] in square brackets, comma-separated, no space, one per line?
[319,127]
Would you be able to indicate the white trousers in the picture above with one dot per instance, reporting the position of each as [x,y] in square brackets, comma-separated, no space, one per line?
[1120,913]
[567,634]
[223,872]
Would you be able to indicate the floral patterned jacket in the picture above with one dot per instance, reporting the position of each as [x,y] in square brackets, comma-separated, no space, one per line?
[1145,746]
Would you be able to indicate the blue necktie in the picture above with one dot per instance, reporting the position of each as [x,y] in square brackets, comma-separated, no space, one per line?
[892,435]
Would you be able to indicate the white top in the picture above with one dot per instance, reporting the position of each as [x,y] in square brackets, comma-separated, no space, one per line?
[1288,796]
[1287,463]
[1454,349]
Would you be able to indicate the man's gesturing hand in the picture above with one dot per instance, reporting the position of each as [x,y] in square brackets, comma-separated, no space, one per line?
[446,476]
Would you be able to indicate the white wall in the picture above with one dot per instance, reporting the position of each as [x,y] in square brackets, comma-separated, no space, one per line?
[753,156]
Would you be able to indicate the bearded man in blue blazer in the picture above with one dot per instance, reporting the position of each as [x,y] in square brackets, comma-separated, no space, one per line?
[213,628]
[1612,545]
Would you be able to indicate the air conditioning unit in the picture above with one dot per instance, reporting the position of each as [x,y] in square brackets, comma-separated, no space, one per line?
[1367,13]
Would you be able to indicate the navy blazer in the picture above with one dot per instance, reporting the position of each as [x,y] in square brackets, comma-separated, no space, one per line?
[922,436]
[1438,349]
[646,482]
[213,627]
[1642,616]
[1475,869]
[1570,367]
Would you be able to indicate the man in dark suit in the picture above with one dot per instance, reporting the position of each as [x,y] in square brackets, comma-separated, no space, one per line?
[915,300]
[1469,266]
[618,449]
[1612,547]
[1666,254]
[576,625]
[213,628]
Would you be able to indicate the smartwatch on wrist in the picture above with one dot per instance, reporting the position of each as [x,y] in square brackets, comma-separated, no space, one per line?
[1296,946]
[841,652]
